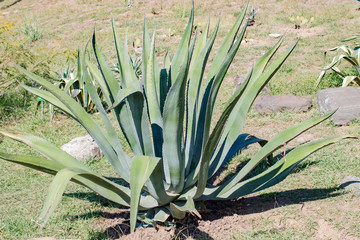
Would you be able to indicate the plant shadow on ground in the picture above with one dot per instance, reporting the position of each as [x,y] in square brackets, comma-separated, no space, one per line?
[118,224]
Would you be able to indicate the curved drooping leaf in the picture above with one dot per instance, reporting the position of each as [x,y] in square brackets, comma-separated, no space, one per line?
[278,171]
[56,191]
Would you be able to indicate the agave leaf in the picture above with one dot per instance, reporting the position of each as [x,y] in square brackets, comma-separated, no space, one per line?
[155,186]
[122,95]
[348,79]
[218,79]
[145,52]
[75,93]
[127,72]
[213,141]
[200,45]
[173,115]
[82,117]
[47,149]
[97,183]
[161,214]
[82,68]
[49,97]
[138,134]
[105,70]
[337,60]
[338,71]
[123,160]
[131,124]
[167,61]
[193,91]
[199,140]
[151,91]
[146,56]
[271,146]
[181,55]
[163,88]
[180,208]
[258,79]
[349,38]
[140,171]
[241,142]
[69,84]
[280,170]
[95,72]
[55,193]
[37,163]
[226,45]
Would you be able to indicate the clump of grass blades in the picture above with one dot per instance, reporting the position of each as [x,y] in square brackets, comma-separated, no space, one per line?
[166,118]
[31,31]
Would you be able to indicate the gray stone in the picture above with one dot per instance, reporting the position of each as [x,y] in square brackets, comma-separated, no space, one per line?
[345,99]
[282,103]
[351,183]
[82,148]
[239,80]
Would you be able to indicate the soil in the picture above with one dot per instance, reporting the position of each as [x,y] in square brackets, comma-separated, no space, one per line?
[289,210]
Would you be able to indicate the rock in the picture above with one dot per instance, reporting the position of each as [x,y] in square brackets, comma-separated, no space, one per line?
[282,103]
[351,183]
[82,148]
[239,80]
[345,99]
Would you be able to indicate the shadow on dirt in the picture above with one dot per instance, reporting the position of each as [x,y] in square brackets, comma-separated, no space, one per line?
[117,224]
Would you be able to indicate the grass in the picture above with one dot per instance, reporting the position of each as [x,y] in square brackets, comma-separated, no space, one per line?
[315,183]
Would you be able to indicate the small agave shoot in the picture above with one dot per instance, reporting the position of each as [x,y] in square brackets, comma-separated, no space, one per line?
[166,120]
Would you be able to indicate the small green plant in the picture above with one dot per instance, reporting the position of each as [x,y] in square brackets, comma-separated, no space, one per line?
[251,16]
[15,49]
[74,85]
[166,120]
[350,54]
[301,21]
[31,31]
[136,64]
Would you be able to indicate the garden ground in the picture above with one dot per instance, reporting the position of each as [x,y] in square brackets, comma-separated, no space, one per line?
[307,205]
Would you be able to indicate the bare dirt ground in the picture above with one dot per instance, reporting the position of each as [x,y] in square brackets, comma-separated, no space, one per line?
[229,219]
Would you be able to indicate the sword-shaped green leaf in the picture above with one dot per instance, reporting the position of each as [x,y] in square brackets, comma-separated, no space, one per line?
[181,54]
[271,146]
[141,169]
[280,170]
[226,45]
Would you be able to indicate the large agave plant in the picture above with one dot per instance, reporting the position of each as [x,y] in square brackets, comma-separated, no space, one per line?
[166,119]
